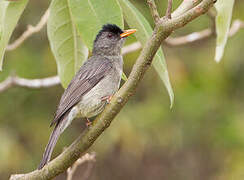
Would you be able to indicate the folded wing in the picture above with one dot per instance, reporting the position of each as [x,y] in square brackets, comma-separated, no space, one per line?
[89,75]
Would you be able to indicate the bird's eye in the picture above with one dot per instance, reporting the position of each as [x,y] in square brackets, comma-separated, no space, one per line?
[109,35]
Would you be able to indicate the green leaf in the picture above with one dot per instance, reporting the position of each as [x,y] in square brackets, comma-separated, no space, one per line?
[90,15]
[136,20]
[9,16]
[67,47]
[124,77]
[223,19]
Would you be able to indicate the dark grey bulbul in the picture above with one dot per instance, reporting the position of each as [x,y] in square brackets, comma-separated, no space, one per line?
[92,86]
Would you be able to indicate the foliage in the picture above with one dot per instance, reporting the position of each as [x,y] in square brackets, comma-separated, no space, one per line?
[135,19]
[67,47]
[72,27]
[200,138]
[223,19]
[9,16]
[90,15]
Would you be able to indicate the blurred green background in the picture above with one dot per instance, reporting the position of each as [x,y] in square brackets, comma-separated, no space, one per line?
[200,138]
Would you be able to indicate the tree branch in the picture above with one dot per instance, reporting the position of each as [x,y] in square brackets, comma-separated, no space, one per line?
[29,31]
[201,35]
[189,39]
[236,26]
[184,6]
[169,9]
[131,48]
[153,10]
[86,139]
[85,158]
[29,83]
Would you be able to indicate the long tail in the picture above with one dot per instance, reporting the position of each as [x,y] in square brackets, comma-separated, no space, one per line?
[51,144]
[57,131]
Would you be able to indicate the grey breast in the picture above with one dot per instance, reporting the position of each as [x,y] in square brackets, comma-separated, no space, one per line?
[91,103]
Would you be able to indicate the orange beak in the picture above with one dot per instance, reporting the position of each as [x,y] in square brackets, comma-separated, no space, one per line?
[127,32]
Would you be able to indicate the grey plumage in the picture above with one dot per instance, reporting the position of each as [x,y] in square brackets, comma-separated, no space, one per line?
[99,77]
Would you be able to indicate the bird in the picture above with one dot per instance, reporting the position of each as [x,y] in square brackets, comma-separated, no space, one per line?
[92,86]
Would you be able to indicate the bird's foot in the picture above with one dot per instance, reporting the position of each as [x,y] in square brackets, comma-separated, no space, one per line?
[88,122]
[107,98]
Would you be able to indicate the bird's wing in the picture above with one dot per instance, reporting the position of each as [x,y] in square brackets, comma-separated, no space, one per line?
[90,74]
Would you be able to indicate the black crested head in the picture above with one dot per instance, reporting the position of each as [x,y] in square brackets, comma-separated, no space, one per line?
[109,28]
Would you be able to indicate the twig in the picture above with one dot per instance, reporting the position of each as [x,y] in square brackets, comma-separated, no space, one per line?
[85,158]
[212,14]
[201,35]
[169,9]
[29,31]
[188,39]
[184,6]
[88,171]
[161,31]
[236,26]
[30,83]
[131,48]
[153,10]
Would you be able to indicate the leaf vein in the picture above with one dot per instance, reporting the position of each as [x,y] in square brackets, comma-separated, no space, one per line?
[63,41]
[61,25]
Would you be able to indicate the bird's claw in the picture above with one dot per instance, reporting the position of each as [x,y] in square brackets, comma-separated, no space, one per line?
[107,98]
[88,122]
